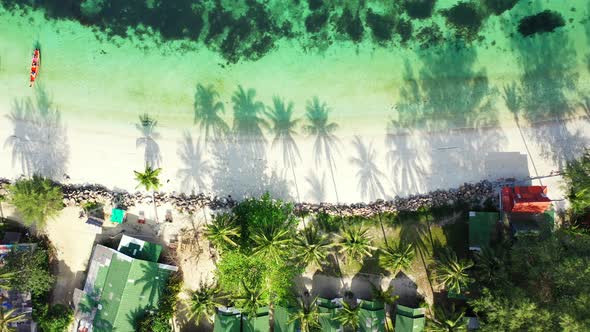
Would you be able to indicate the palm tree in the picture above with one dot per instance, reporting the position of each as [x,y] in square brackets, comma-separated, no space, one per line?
[368,173]
[355,243]
[386,297]
[282,125]
[150,181]
[325,141]
[444,321]
[247,121]
[2,199]
[147,128]
[348,316]
[203,302]
[251,300]
[452,272]
[223,231]
[397,258]
[307,315]
[195,168]
[207,112]
[7,318]
[271,242]
[311,246]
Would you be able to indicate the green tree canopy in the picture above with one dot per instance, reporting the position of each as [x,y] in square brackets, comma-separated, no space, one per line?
[36,199]
[544,286]
[32,268]
[577,177]
[223,232]
[203,302]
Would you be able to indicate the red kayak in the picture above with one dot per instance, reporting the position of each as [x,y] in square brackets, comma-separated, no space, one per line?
[35,66]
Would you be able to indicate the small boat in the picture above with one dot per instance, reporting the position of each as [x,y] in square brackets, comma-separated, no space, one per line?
[35,66]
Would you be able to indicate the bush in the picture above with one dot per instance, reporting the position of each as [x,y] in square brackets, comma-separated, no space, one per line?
[32,269]
[545,21]
[36,199]
[55,318]
[577,179]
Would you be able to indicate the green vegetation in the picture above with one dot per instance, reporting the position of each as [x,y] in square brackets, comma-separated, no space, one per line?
[150,181]
[160,321]
[55,318]
[8,317]
[203,302]
[307,314]
[577,179]
[36,199]
[542,285]
[348,316]
[32,268]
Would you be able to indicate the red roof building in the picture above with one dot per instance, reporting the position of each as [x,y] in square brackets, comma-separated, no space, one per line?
[531,199]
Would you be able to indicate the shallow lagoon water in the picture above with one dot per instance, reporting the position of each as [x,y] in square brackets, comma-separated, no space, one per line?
[102,85]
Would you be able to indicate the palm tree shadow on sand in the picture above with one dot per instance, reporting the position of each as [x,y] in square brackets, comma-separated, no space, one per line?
[248,122]
[317,187]
[147,127]
[368,173]
[207,113]
[238,173]
[196,168]
[282,126]
[326,143]
[39,141]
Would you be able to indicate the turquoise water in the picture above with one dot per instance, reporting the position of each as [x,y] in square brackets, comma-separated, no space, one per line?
[453,84]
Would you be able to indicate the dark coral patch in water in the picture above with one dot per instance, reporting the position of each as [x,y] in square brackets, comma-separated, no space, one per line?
[545,21]
[419,9]
[381,26]
[350,25]
[499,6]
[315,21]
[404,30]
[465,18]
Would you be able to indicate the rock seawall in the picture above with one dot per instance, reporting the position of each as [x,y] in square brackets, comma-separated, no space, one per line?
[76,195]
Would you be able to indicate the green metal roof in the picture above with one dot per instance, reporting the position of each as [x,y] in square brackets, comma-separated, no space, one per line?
[148,252]
[260,323]
[227,322]
[409,319]
[131,286]
[328,311]
[282,316]
[372,316]
[481,229]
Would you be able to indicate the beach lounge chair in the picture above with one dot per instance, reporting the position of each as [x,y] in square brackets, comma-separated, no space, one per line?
[141,218]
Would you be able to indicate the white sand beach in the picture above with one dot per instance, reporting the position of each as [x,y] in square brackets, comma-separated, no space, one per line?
[101,88]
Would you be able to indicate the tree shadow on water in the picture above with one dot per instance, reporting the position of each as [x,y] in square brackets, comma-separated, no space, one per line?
[546,93]
[196,168]
[368,174]
[39,141]
[147,127]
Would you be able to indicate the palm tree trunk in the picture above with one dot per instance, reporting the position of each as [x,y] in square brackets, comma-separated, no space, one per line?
[426,269]
[383,230]
[1,212]
[333,181]
[155,206]
[297,191]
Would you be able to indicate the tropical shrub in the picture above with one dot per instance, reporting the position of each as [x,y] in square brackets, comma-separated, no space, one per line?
[54,318]
[36,199]
[32,268]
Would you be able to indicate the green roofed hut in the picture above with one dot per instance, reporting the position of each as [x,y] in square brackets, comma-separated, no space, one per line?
[482,229]
[372,316]
[409,319]
[227,320]
[258,323]
[121,286]
[282,316]
[328,309]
